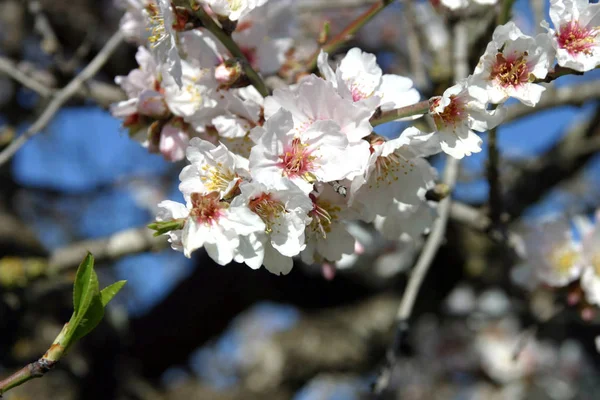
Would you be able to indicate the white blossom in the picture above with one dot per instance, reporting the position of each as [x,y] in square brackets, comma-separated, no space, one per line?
[284,212]
[163,40]
[590,278]
[212,224]
[327,236]
[553,254]
[315,99]
[360,79]
[266,54]
[576,33]
[212,169]
[134,22]
[511,62]
[317,152]
[396,171]
[460,110]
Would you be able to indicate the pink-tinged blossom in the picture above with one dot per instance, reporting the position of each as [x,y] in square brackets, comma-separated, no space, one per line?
[459,111]
[318,152]
[315,99]
[360,79]
[212,224]
[576,33]
[284,212]
[212,169]
[510,64]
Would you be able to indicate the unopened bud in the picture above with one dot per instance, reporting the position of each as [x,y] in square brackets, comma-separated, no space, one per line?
[439,192]
[229,72]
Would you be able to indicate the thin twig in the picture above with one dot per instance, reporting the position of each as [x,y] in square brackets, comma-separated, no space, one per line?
[50,43]
[493,176]
[8,67]
[402,112]
[63,96]
[126,242]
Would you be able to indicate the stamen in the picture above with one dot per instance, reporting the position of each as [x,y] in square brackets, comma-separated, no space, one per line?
[207,209]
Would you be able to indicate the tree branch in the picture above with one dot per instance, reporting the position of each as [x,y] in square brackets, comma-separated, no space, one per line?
[129,241]
[63,96]
[402,112]
[348,32]
[231,45]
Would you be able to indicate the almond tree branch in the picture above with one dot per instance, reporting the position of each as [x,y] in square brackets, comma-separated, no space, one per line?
[102,93]
[402,112]
[63,96]
[126,242]
[231,45]
[9,68]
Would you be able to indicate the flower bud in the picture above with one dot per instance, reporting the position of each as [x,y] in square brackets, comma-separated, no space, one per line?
[228,72]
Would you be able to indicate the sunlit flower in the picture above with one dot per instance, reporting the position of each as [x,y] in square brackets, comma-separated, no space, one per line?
[327,236]
[212,224]
[315,99]
[510,64]
[396,170]
[319,152]
[460,110]
[359,78]
[576,33]
[212,169]
[284,212]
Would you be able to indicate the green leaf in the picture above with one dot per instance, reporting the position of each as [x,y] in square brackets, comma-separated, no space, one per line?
[86,286]
[110,291]
[91,319]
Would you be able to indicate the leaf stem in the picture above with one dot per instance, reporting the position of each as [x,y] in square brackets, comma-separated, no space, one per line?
[402,112]
[231,45]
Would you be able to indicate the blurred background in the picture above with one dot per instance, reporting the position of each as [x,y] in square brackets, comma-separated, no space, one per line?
[190,329]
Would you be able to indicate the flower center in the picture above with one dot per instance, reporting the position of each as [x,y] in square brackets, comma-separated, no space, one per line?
[268,209]
[323,215]
[576,39]
[217,178]
[297,161]
[207,209]
[512,71]
[452,115]
[388,168]
[234,5]
[157,25]
[563,259]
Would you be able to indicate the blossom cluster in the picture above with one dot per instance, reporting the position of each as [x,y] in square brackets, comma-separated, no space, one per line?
[271,178]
